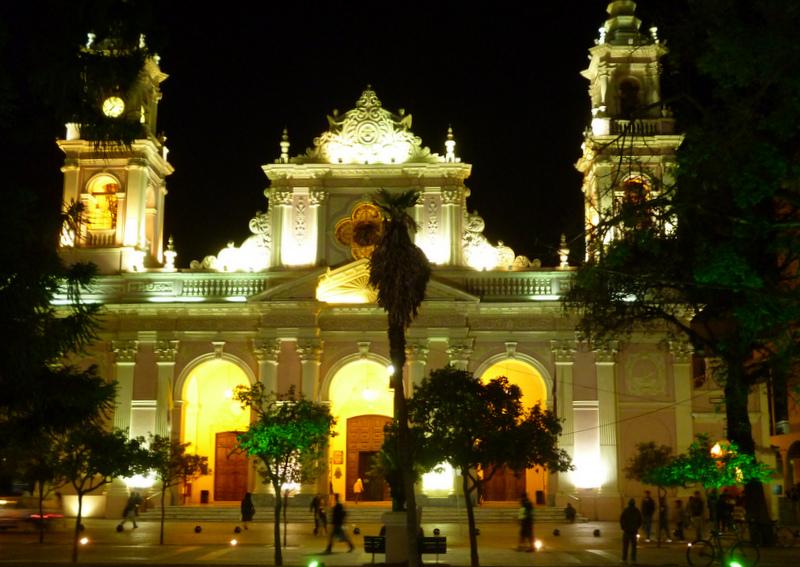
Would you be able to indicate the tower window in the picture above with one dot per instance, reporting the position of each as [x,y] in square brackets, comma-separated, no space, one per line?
[628,97]
[101,205]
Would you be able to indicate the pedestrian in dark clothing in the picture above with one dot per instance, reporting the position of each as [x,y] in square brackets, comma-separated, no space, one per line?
[681,515]
[569,513]
[663,519]
[130,510]
[525,524]
[697,513]
[630,521]
[648,511]
[318,510]
[248,509]
[337,517]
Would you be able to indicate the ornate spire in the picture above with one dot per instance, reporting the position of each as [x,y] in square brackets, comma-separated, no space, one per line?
[285,146]
[450,146]
[622,26]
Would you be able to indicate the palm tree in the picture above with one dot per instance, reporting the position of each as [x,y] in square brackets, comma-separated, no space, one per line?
[400,271]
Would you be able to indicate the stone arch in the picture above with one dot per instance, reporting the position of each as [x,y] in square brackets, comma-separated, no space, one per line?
[535,364]
[100,205]
[357,389]
[180,382]
[629,95]
[209,419]
[536,384]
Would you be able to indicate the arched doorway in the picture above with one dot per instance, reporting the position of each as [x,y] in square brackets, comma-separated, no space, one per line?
[505,485]
[361,402]
[211,418]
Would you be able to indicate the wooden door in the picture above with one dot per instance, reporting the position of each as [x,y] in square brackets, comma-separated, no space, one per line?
[364,439]
[230,468]
[504,485]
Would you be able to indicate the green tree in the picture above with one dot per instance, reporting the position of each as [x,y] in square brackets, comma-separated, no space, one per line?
[725,276]
[194,467]
[400,271]
[171,463]
[92,457]
[646,467]
[289,436]
[473,425]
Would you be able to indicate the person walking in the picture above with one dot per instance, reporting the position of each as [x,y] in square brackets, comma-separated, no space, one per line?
[129,512]
[630,521]
[570,513]
[337,517]
[358,488]
[663,519]
[681,515]
[318,510]
[648,511]
[248,509]
[525,524]
[697,512]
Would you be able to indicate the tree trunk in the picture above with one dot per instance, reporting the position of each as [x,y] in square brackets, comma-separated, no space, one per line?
[397,353]
[40,523]
[77,533]
[473,539]
[285,521]
[740,432]
[163,511]
[277,524]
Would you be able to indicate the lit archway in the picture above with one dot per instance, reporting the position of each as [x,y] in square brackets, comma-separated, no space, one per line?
[505,485]
[361,402]
[210,420]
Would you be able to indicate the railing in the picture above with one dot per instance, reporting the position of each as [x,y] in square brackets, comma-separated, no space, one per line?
[98,238]
[514,286]
[643,126]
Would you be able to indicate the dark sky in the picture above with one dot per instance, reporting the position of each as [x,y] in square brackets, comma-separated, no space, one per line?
[506,76]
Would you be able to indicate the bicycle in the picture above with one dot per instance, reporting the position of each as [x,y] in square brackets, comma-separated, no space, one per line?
[704,552]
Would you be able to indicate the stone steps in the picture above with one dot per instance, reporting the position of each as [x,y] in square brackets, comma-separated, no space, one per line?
[356,514]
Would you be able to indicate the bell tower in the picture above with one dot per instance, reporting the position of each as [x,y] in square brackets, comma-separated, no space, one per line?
[121,186]
[630,144]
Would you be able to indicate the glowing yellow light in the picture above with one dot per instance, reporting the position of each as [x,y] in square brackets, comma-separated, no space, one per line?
[228,394]
[716,450]
[84,540]
[369,394]
[439,481]
[234,542]
[390,370]
[590,471]
[482,256]
[435,248]
[538,544]
[141,481]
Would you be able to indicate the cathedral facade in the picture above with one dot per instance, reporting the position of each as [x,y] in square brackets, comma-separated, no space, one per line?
[291,305]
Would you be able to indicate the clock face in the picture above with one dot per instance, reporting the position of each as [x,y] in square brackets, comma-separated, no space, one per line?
[113,106]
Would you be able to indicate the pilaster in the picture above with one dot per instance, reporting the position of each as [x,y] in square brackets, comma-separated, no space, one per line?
[165,352]
[124,365]
[563,358]
[459,353]
[683,380]
[417,359]
[266,353]
[310,353]
[605,366]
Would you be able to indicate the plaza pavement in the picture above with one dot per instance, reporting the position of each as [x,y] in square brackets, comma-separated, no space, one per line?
[211,547]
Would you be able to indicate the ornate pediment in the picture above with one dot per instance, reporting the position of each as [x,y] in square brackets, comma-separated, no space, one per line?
[348,284]
[368,134]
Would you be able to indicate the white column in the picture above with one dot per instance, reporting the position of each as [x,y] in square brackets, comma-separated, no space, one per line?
[280,206]
[459,353]
[165,352]
[683,381]
[605,364]
[124,365]
[266,353]
[310,353]
[315,200]
[417,359]
[563,353]
[135,190]
[452,224]
[71,172]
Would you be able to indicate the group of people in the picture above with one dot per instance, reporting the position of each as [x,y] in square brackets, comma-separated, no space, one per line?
[723,510]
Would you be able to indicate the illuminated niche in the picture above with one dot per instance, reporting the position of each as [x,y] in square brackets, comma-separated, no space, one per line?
[100,206]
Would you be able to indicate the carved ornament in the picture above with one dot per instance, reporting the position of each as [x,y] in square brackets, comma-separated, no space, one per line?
[125,351]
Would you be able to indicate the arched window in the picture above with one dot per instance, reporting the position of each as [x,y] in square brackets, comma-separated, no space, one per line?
[101,205]
[632,200]
[628,97]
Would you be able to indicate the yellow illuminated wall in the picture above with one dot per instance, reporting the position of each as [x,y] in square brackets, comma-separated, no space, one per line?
[533,392]
[359,388]
[208,409]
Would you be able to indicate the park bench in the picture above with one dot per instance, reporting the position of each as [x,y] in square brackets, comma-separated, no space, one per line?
[374,544]
[433,544]
[427,545]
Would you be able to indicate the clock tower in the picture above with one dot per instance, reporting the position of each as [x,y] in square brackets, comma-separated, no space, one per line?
[120,185]
[630,145]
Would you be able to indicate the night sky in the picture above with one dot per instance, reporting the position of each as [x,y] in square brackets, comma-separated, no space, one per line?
[507,80]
